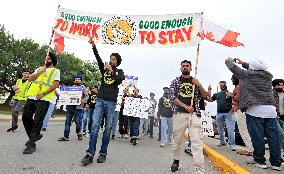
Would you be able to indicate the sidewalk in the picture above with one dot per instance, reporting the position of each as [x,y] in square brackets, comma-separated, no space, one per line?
[7,118]
[233,163]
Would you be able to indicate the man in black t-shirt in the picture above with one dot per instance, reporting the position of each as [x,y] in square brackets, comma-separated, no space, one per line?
[106,103]
[187,115]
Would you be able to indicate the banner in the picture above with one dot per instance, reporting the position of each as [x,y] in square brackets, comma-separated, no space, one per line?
[179,30]
[207,124]
[70,95]
[136,107]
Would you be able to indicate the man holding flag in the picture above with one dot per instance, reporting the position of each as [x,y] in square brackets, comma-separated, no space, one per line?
[42,90]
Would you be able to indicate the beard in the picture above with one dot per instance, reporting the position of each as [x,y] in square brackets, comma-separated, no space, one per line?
[279,90]
[185,73]
[48,64]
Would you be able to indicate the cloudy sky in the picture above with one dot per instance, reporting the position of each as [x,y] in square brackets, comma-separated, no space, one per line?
[260,22]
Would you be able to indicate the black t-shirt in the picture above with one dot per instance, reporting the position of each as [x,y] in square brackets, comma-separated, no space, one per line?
[185,95]
[165,107]
[109,84]
[92,100]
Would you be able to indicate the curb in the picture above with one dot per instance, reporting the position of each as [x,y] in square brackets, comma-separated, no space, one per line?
[223,163]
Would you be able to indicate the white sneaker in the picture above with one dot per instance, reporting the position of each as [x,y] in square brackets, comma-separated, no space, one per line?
[262,166]
[276,168]
[162,145]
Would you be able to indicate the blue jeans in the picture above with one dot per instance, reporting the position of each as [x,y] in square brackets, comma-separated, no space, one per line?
[102,106]
[72,112]
[114,123]
[258,129]
[134,126]
[228,119]
[85,120]
[166,129]
[48,114]
[90,119]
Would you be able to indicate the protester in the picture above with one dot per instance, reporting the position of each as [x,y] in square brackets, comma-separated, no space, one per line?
[278,94]
[42,90]
[224,115]
[151,114]
[165,113]
[20,98]
[123,119]
[257,101]
[187,114]
[241,118]
[50,111]
[91,106]
[106,102]
[74,112]
[134,121]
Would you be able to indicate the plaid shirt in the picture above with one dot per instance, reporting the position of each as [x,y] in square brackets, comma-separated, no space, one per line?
[175,92]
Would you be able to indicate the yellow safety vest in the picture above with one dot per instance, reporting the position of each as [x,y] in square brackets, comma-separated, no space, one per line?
[43,83]
[23,89]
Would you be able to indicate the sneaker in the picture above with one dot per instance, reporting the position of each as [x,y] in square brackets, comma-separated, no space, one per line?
[80,137]
[175,166]
[162,145]
[9,130]
[134,142]
[188,151]
[276,168]
[262,166]
[131,140]
[101,159]
[84,132]
[63,139]
[151,136]
[15,129]
[112,137]
[30,149]
[88,159]
[126,137]
[233,149]
[43,129]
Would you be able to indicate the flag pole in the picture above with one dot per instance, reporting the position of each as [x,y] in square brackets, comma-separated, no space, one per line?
[51,37]
[197,61]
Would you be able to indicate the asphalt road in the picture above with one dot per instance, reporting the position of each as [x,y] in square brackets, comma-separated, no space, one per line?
[54,157]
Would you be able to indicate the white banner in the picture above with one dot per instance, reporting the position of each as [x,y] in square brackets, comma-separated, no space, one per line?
[207,123]
[178,30]
[136,107]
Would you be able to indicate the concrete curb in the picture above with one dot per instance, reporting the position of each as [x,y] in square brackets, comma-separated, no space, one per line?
[223,163]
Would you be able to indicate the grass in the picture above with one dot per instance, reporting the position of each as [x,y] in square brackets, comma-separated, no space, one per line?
[5,112]
[60,114]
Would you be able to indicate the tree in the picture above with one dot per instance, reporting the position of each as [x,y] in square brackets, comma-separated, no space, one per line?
[15,55]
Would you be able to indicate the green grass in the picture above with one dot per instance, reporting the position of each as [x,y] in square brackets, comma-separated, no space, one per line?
[5,112]
[9,113]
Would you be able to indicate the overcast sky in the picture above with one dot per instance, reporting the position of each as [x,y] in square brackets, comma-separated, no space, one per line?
[260,22]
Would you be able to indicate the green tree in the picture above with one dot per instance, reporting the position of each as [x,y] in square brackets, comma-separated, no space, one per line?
[15,55]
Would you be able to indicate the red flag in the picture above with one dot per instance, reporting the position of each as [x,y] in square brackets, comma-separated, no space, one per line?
[59,43]
[219,34]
